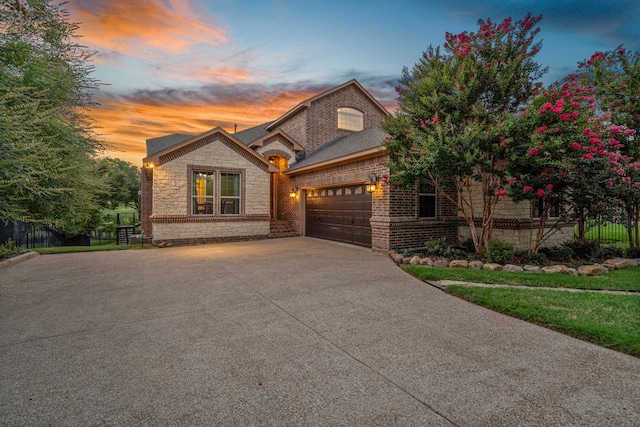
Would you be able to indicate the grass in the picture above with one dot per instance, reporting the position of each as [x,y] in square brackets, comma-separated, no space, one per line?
[608,320]
[627,279]
[608,232]
[97,248]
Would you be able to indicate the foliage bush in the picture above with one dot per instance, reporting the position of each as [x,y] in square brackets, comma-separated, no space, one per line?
[611,252]
[558,253]
[500,252]
[586,249]
[8,248]
[440,248]
[538,259]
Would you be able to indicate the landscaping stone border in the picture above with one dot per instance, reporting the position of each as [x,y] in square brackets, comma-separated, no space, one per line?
[583,270]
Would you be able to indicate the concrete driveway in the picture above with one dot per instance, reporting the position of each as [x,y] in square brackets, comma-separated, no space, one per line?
[294,331]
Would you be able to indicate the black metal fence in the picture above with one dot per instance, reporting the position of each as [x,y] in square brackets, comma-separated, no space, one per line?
[607,233]
[30,236]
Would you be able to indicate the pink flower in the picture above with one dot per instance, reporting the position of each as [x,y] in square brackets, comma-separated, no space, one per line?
[549,187]
[609,183]
[576,146]
[565,117]
[540,192]
[560,102]
[629,132]
[501,192]
[435,120]
[575,114]
[533,151]
[627,180]
[556,109]
[422,123]
[620,172]
[588,156]
[541,129]
[527,188]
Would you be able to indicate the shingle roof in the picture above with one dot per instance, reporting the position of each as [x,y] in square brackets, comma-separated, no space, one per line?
[247,136]
[342,146]
[155,145]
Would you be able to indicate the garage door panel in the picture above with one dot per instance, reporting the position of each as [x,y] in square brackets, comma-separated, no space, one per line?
[340,214]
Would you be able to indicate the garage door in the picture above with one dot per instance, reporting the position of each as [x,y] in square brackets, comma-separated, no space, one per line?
[340,213]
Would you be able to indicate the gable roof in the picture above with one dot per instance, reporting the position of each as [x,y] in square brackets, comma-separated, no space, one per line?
[155,145]
[249,135]
[306,104]
[364,143]
[260,141]
[198,141]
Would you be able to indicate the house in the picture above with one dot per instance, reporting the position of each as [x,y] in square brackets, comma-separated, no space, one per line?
[315,171]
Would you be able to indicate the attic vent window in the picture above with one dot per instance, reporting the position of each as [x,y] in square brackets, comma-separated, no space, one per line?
[350,119]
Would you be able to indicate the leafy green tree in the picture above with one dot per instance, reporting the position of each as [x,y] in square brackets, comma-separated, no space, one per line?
[615,75]
[47,147]
[453,105]
[123,183]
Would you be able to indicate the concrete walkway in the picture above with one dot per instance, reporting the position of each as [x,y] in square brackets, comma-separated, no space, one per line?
[294,331]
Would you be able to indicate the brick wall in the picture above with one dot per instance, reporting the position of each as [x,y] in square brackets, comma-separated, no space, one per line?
[146,201]
[318,124]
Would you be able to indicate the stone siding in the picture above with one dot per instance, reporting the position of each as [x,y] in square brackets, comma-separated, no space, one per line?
[171,197]
[522,238]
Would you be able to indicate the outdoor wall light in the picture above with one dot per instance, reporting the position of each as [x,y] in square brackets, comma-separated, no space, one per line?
[148,169]
[293,192]
[372,183]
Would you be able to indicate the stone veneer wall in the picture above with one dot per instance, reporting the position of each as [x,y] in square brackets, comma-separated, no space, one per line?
[513,223]
[172,220]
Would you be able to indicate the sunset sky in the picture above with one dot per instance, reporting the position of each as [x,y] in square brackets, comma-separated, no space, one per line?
[186,66]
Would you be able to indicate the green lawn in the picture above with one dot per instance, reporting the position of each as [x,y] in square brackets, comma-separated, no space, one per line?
[96,248]
[608,320]
[627,279]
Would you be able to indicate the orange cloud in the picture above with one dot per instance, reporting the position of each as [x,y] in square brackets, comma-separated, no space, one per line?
[145,27]
[125,123]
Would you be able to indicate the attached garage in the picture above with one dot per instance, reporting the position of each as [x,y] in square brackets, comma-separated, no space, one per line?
[340,213]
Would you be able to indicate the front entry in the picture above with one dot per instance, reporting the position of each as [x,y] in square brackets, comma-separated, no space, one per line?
[340,213]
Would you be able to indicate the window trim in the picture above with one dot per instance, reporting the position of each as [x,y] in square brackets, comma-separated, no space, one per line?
[350,119]
[420,194]
[537,206]
[217,191]
[238,197]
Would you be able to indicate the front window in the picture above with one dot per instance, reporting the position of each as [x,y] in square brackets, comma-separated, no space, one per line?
[538,208]
[427,200]
[229,193]
[202,193]
[350,119]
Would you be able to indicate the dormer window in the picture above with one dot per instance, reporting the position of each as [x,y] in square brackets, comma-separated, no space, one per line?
[350,119]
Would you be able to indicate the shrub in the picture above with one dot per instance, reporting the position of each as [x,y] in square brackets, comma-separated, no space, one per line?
[584,249]
[499,251]
[538,259]
[611,252]
[633,252]
[9,248]
[440,248]
[558,253]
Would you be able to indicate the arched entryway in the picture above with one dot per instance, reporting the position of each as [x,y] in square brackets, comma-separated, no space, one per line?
[280,186]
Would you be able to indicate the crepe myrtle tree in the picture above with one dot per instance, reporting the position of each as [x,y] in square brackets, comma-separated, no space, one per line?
[449,127]
[615,76]
[564,157]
